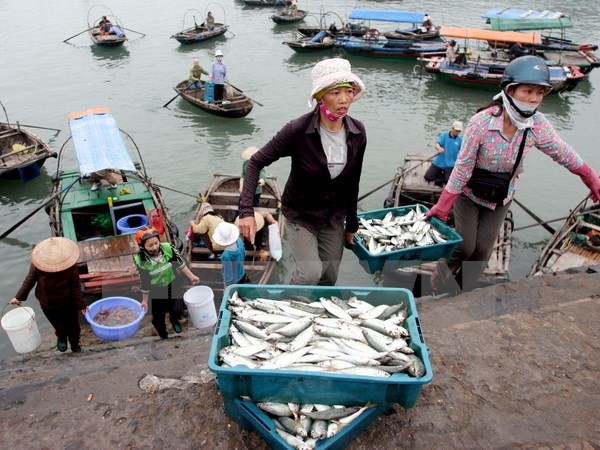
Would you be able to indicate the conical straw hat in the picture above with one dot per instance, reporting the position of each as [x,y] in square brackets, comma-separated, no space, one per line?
[55,254]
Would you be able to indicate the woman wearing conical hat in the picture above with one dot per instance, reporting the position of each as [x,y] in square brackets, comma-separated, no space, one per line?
[54,273]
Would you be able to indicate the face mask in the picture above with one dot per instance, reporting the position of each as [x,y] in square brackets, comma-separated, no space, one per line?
[524,108]
[331,116]
[518,117]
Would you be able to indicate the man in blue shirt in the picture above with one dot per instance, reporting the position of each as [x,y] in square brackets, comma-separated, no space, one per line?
[448,145]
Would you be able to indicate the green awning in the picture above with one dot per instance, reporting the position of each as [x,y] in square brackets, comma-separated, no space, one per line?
[530,24]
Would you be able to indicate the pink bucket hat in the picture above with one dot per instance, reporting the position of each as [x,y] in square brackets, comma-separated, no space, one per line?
[331,72]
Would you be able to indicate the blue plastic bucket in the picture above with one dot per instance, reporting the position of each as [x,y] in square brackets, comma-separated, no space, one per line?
[119,332]
[209,92]
[130,224]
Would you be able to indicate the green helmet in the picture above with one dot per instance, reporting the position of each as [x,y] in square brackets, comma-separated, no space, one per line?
[526,70]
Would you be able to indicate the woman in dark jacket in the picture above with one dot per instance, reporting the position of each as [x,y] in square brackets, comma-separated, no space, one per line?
[54,270]
[327,148]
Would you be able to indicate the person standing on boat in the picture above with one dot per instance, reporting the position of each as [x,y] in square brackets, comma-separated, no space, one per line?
[327,148]
[447,145]
[293,9]
[451,53]
[218,74]
[210,21]
[496,141]
[246,155]
[195,73]
[158,263]
[427,25]
[53,271]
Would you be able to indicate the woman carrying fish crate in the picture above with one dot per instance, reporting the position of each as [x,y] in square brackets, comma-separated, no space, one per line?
[327,147]
[482,184]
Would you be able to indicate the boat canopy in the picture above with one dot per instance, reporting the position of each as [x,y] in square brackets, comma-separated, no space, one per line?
[98,141]
[526,19]
[387,15]
[490,35]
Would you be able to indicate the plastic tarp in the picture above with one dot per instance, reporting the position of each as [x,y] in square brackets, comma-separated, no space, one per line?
[98,141]
[489,35]
[530,24]
[385,15]
[515,13]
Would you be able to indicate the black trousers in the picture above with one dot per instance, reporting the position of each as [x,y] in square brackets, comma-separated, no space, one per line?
[65,321]
[219,89]
[163,302]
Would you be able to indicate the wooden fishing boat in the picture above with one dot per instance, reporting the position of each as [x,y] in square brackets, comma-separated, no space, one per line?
[103,221]
[575,244]
[349,29]
[199,33]
[374,45]
[321,41]
[223,195]
[115,35]
[410,187]
[236,105]
[286,17]
[267,3]
[22,153]
[413,34]
[480,73]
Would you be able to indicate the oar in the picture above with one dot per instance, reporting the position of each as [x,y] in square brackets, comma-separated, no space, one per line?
[33,126]
[238,89]
[178,94]
[395,178]
[552,220]
[76,35]
[534,217]
[129,29]
[26,218]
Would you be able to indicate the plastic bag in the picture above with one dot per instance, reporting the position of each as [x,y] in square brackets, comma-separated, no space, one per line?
[275,242]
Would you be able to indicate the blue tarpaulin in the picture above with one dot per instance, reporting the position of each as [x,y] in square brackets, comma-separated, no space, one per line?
[386,15]
[98,141]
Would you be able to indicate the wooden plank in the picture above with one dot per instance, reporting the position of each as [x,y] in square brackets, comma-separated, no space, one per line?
[235,207]
[107,248]
[118,263]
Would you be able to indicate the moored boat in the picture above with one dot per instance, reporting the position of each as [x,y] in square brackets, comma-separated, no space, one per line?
[223,195]
[22,153]
[373,45]
[199,33]
[103,221]
[286,17]
[575,244]
[267,3]
[355,29]
[235,105]
[321,41]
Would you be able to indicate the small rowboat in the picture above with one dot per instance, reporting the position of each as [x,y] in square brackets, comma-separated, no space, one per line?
[575,244]
[200,33]
[287,17]
[319,42]
[103,221]
[236,105]
[267,2]
[413,34]
[22,153]
[223,195]
[115,35]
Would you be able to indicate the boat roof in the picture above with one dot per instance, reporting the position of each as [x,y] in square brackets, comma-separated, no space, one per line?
[98,141]
[387,15]
[526,19]
[491,35]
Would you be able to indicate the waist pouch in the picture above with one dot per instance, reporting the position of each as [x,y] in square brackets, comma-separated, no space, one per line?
[490,186]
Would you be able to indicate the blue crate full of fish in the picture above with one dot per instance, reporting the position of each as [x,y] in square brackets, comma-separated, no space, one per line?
[401,236]
[249,416]
[355,374]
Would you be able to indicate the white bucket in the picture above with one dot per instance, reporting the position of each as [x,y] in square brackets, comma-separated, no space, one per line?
[22,330]
[201,306]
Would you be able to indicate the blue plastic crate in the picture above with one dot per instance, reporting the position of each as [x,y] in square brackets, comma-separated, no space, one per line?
[409,256]
[250,417]
[313,387]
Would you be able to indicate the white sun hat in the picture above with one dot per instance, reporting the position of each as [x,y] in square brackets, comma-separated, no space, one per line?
[331,72]
[226,234]
[218,53]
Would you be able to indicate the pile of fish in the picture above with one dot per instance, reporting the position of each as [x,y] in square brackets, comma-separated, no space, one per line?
[398,232]
[115,317]
[329,335]
[301,426]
